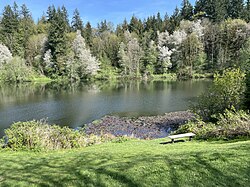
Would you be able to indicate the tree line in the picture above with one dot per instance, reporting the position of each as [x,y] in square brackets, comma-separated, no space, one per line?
[207,37]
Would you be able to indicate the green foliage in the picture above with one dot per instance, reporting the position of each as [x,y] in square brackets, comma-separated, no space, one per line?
[77,23]
[236,8]
[226,92]
[40,136]
[231,124]
[187,10]
[107,72]
[245,56]
[57,39]
[193,45]
[16,71]
[10,30]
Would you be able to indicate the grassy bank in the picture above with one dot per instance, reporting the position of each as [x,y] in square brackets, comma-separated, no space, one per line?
[133,163]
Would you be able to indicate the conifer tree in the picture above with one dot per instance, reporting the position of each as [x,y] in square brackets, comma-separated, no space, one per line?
[174,20]
[247,11]
[57,41]
[88,34]
[136,26]
[9,30]
[235,8]
[76,23]
[65,16]
[27,26]
[215,10]
[186,10]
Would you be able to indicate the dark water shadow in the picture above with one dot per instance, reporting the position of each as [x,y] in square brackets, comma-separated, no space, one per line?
[170,142]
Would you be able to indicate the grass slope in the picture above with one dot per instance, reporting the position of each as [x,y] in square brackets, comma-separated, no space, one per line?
[133,163]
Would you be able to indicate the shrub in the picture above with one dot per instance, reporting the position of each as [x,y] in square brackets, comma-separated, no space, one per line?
[230,124]
[226,92]
[39,135]
[16,71]
[234,123]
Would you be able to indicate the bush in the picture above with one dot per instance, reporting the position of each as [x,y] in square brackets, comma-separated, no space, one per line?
[16,71]
[230,124]
[226,92]
[39,135]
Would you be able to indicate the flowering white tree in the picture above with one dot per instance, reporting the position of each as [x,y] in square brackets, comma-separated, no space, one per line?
[5,55]
[177,38]
[168,47]
[165,58]
[192,27]
[47,62]
[183,48]
[87,64]
[130,55]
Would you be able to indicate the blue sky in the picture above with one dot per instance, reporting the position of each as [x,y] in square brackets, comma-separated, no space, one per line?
[98,10]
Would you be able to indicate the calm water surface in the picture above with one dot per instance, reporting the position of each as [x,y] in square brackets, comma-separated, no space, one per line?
[77,104]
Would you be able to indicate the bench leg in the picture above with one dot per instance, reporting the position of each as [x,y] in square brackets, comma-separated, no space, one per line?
[190,138]
[172,141]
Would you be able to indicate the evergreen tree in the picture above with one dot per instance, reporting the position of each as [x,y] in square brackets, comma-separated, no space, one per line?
[76,23]
[247,11]
[166,23]
[235,8]
[57,41]
[65,16]
[220,10]
[104,26]
[27,27]
[174,20]
[42,25]
[149,59]
[215,10]
[10,30]
[186,10]
[125,25]
[51,12]
[136,26]
[88,34]
[159,22]
[199,6]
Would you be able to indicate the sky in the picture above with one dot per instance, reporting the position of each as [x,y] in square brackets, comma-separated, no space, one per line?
[96,11]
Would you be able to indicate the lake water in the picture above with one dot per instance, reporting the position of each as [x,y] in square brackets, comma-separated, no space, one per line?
[77,104]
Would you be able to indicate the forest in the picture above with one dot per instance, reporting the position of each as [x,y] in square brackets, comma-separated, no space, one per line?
[59,55]
[195,41]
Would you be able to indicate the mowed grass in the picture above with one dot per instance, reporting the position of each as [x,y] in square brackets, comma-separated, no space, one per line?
[133,163]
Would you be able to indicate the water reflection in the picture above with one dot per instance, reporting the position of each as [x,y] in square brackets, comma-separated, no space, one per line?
[77,104]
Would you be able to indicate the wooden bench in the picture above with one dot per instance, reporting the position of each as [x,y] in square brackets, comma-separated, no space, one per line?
[190,135]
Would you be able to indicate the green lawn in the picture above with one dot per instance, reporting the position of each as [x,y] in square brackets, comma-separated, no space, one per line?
[133,163]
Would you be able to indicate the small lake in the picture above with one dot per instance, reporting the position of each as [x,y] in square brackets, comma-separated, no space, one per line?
[77,104]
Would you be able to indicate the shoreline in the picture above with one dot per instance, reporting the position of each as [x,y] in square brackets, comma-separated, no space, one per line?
[145,127]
